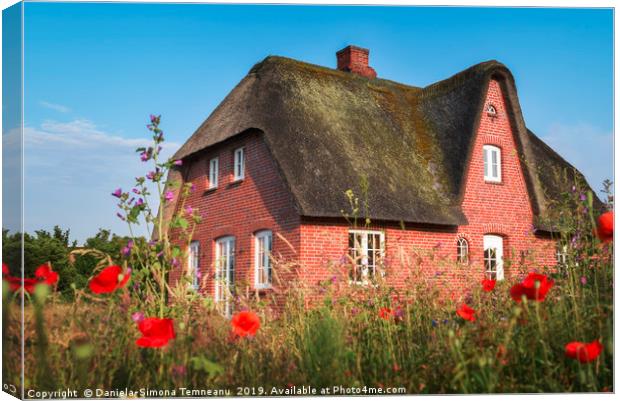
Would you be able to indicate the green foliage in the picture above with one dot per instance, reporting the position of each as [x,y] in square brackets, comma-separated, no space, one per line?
[54,247]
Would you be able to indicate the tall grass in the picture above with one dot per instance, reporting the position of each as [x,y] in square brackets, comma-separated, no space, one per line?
[340,341]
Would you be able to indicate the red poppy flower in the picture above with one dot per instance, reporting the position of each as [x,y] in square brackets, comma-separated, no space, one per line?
[108,280]
[45,274]
[466,313]
[385,313]
[534,287]
[245,323]
[155,332]
[5,269]
[605,227]
[15,283]
[583,352]
[488,285]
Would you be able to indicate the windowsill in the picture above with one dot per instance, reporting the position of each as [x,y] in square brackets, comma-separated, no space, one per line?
[493,182]
[363,283]
[236,182]
[209,191]
[263,288]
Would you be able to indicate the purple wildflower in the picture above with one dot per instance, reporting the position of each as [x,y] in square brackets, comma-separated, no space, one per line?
[399,313]
[126,251]
[178,162]
[118,192]
[139,202]
[354,311]
[334,279]
[583,280]
[151,175]
[169,196]
[120,216]
[154,119]
[137,317]
[178,370]
[144,156]
[135,191]
[189,210]
[582,197]
[174,262]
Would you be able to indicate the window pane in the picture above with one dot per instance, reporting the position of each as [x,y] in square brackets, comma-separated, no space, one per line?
[486,163]
[213,172]
[365,250]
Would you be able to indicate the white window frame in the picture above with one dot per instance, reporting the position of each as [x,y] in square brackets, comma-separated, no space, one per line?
[561,254]
[225,274]
[487,154]
[496,243]
[462,244]
[263,245]
[239,164]
[366,275]
[193,263]
[214,171]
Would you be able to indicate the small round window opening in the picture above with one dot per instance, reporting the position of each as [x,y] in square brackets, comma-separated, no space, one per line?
[491,110]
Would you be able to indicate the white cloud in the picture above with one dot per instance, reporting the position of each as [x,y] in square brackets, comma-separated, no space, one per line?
[78,133]
[54,106]
[586,147]
[72,167]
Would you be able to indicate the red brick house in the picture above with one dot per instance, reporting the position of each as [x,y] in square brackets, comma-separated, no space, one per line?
[449,169]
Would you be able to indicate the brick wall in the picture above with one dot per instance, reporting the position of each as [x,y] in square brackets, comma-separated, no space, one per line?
[260,201]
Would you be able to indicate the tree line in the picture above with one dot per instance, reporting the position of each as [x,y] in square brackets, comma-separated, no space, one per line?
[45,246]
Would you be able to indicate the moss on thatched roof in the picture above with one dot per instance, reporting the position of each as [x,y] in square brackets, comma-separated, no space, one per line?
[329,131]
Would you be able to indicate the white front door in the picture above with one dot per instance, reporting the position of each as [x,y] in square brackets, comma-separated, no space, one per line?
[225,274]
[494,257]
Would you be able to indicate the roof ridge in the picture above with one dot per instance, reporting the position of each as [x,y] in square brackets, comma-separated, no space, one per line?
[454,81]
[282,60]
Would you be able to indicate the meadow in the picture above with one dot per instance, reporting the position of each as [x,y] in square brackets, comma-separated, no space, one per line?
[545,331]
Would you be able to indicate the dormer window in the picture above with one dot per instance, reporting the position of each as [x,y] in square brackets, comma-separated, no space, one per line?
[239,164]
[492,163]
[491,110]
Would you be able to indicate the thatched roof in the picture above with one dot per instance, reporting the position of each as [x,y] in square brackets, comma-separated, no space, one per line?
[330,131]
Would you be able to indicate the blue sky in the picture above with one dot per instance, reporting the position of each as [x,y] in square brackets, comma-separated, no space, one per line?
[94,72]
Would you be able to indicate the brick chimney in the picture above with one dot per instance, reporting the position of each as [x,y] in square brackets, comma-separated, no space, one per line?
[355,59]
